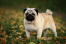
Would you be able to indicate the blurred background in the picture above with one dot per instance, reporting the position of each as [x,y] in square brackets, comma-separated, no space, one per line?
[11,21]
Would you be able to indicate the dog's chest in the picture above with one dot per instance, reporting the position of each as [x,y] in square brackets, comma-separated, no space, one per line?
[31,27]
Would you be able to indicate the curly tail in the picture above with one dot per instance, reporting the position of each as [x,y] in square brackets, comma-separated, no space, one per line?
[49,12]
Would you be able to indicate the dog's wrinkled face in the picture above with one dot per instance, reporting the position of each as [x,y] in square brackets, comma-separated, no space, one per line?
[30,13]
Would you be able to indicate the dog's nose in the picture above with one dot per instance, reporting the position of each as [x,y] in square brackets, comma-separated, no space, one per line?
[32,14]
[29,14]
[30,17]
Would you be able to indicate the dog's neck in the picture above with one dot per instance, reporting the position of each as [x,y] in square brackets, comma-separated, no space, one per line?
[39,20]
[29,22]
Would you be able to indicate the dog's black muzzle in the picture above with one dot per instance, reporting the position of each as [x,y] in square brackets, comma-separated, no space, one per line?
[30,17]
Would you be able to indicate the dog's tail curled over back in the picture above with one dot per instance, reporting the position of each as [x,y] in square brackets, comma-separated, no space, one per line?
[49,12]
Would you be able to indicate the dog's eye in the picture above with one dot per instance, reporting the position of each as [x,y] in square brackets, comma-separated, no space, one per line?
[27,14]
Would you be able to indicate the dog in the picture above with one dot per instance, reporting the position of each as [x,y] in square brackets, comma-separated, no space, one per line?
[34,21]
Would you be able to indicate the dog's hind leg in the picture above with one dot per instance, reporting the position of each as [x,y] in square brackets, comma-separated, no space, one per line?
[53,28]
[54,31]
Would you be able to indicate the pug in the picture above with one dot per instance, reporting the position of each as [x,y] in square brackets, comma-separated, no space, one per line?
[35,21]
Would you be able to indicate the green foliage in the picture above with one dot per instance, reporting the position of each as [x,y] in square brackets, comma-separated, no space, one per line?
[55,5]
[31,43]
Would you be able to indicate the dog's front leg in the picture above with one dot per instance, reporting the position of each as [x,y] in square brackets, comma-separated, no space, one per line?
[39,33]
[27,34]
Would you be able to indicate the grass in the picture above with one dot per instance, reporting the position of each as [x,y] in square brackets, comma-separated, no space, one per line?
[11,22]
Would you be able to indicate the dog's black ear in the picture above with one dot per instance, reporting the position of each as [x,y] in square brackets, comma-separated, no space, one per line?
[24,9]
[36,11]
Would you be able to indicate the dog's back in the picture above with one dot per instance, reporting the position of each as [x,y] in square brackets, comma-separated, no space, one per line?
[48,19]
